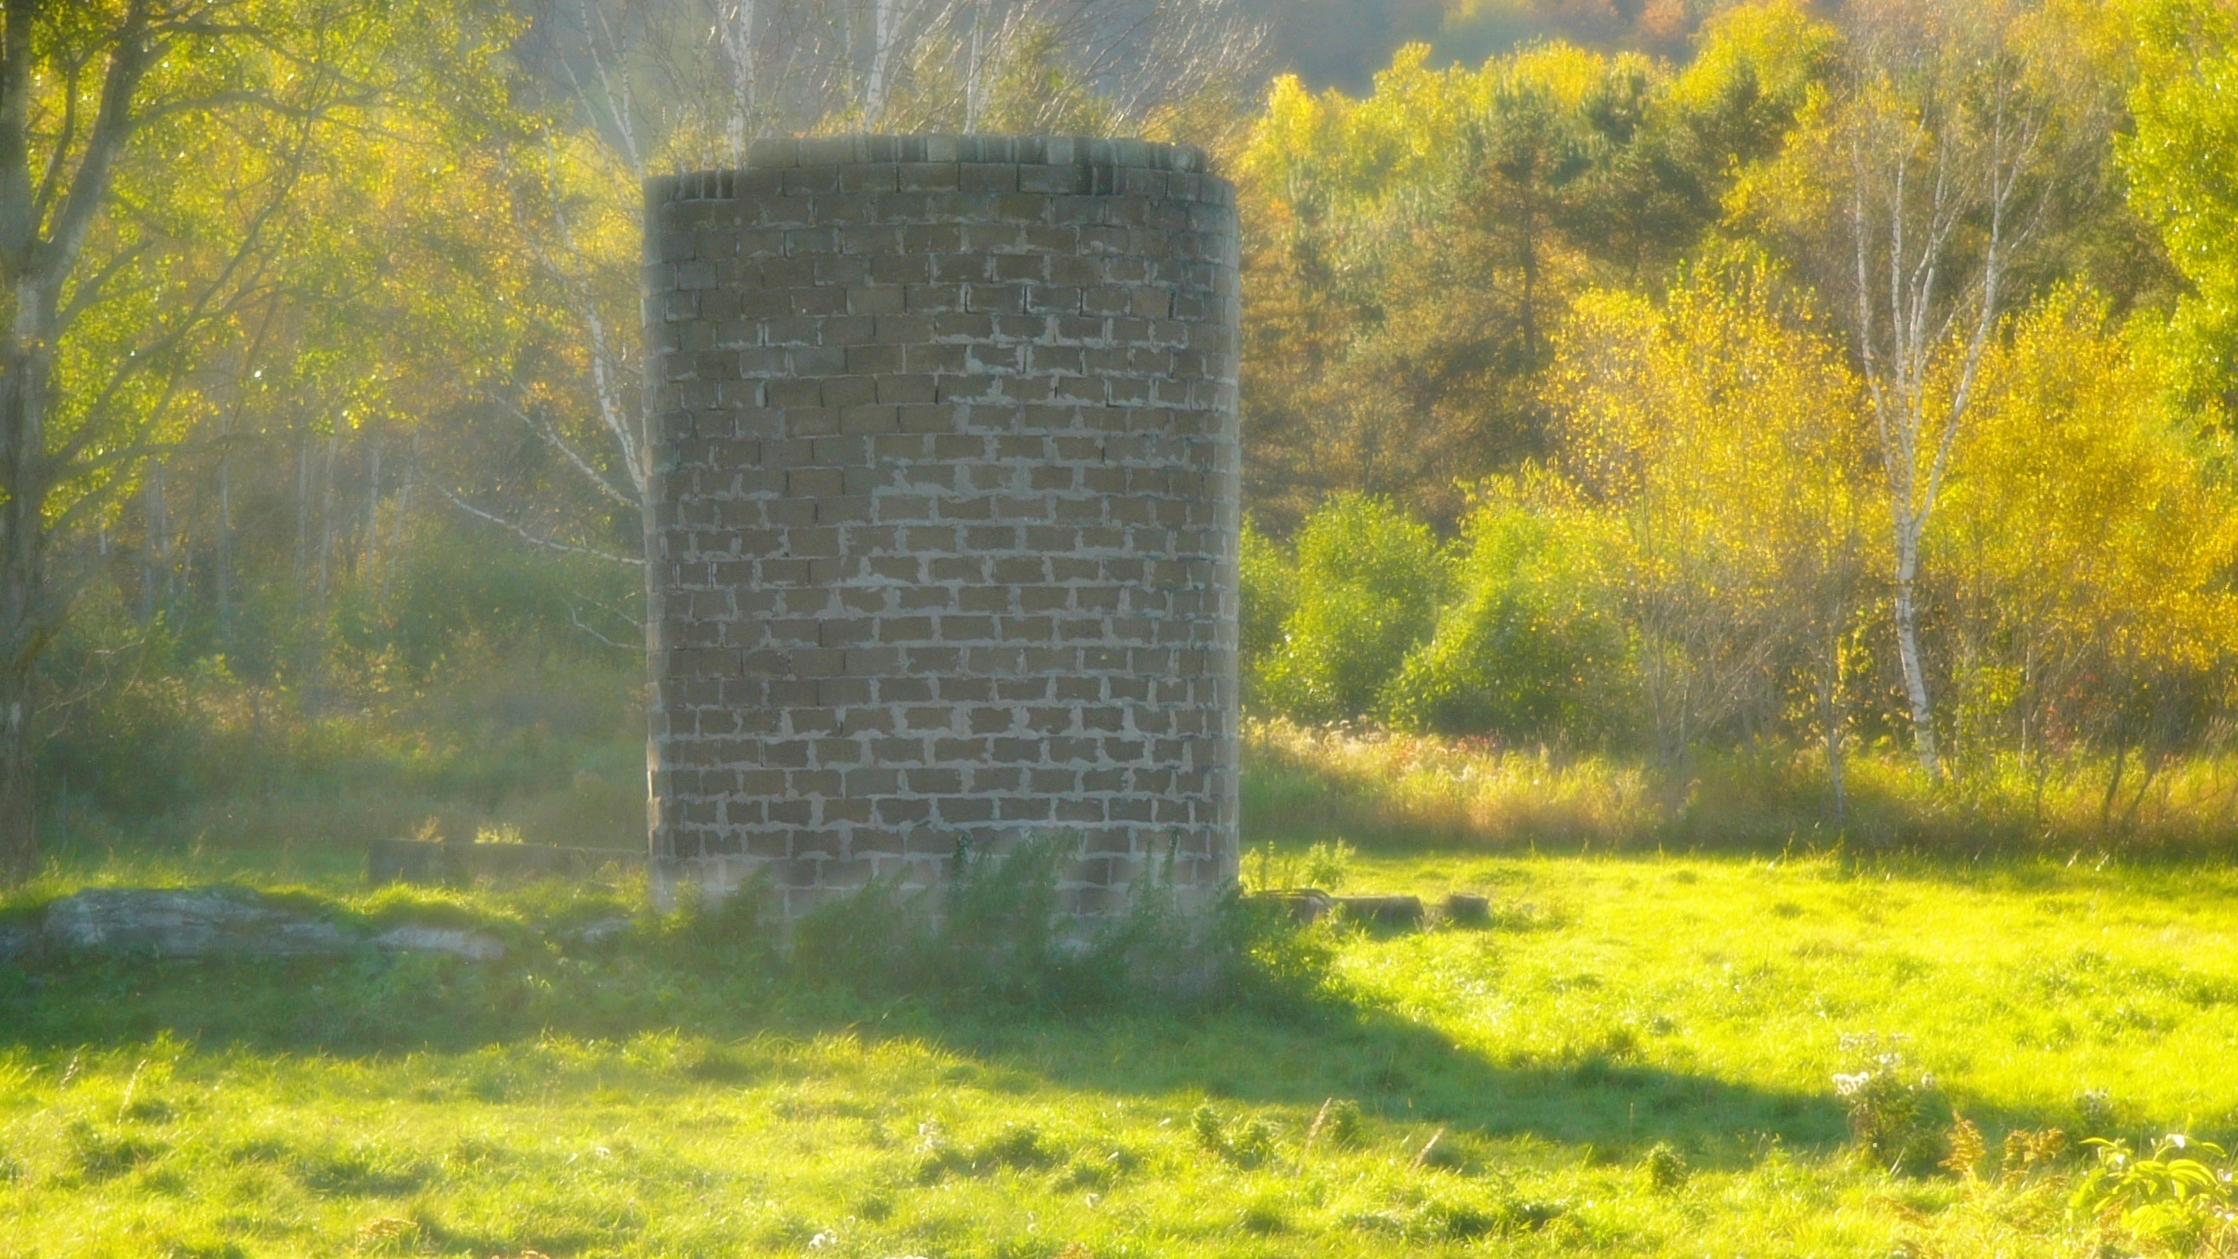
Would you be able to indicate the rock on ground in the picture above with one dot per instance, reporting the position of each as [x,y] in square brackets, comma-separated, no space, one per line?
[185,923]
[221,922]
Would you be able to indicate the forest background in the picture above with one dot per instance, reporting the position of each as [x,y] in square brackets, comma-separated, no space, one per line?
[1701,423]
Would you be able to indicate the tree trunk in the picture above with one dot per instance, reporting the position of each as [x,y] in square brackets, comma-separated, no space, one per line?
[372,511]
[24,615]
[19,795]
[225,541]
[1907,650]
[314,642]
[881,59]
[1831,716]
[302,514]
[326,522]
[403,508]
[161,523]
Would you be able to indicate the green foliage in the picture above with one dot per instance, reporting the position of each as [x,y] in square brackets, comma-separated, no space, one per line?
[2095,606]
[1328,866]
[1534,648]
[1665,1167]
[1340,1122]
[459,688]
[1267,595]
[2184,100]
[1894,1107]
[1753,73]
[456,591]
[1324,867]
[2177,1197]
[1368,582]
[1414,250]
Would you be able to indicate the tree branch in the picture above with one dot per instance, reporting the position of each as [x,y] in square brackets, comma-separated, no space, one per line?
[525,535]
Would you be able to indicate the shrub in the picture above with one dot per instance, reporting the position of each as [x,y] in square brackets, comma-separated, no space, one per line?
[1249,1144]
[1368,583]
[1267,594]
[1665,1167]
[2176,1197]
[1534,648]
[1324,867]
[1895,1111]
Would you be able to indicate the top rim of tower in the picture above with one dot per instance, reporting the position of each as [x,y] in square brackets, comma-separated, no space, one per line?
[1021,150]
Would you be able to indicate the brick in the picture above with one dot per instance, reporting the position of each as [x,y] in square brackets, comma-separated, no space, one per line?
[945,482]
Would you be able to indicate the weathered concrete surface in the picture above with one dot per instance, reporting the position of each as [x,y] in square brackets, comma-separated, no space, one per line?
[1467,907]
[474,946]
[212,922]
[945,480]
[186,923]
[17,940]
[1312,904]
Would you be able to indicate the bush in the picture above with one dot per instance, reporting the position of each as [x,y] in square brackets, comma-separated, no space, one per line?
[1267,594]
[1368,584]
[1533,649]
[1896,1114]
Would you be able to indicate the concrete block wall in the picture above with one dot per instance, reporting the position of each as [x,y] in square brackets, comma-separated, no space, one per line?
[946,484]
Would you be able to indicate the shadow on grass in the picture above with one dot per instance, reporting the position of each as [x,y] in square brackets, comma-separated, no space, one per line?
[1406,1073]
[1295,1051]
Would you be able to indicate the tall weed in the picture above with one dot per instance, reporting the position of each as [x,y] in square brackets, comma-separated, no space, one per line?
[1381,789]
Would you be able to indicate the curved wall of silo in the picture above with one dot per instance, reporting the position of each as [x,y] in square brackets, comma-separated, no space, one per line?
[943,551]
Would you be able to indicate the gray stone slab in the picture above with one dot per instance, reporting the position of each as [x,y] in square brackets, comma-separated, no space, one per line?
[186,923]
[474,946]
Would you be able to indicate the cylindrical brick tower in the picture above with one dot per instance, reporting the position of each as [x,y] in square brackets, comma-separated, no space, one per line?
[945,486]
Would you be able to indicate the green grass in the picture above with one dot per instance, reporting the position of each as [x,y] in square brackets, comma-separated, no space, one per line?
[1634,1054]
[655,1100]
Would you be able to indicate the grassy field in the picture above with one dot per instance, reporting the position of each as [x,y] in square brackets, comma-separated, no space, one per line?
[1635,1054]
[1632,1056]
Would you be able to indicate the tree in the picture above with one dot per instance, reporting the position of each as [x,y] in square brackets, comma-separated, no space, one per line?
[149,150]
[2185,108]
[1406,254]
[1409,253]
[2090,549]
[1717,433]
[1368,586]
[1535,646]
[1919,185]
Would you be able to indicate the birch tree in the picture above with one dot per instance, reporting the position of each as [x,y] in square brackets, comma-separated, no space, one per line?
[1936,166]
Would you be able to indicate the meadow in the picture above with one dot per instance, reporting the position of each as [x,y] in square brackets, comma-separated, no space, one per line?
[1634,1052]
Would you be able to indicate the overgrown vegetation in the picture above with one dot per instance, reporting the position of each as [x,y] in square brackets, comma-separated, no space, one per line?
[1637,1056]
[1832,393]
[1380,787]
